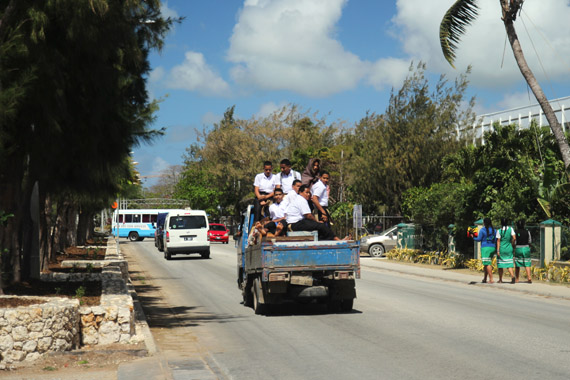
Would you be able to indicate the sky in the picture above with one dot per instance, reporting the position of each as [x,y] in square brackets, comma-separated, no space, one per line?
[339,58]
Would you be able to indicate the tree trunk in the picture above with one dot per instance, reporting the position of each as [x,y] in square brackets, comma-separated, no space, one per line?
[46,224]
[508,17]
[83,227]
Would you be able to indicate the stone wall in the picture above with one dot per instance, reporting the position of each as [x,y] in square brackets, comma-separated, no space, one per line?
[61,324]
[26,332]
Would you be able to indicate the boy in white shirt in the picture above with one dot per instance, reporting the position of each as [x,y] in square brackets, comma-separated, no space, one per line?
[263,187]
[320,198]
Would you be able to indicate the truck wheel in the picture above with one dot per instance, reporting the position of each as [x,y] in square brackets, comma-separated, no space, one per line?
[258,307]
[205,255]
[133,236]
[346,305]
[376,250]
[247,296]
[334,305]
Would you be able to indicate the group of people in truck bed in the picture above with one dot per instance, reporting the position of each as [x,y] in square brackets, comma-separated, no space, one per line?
[285,201]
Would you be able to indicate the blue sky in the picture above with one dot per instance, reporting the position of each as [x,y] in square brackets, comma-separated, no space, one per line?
[339,58]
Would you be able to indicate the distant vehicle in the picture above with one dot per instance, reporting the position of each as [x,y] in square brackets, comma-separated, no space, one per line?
[218,232]
[185,232]
[378,245]
[135,224]
[159,232]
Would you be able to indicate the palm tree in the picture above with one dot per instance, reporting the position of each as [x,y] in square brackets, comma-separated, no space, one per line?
[461,14]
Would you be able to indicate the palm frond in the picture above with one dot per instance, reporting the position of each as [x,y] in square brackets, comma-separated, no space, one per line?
[461,14]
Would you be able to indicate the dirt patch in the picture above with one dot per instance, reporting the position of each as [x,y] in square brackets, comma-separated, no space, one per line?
[85,363]
[88,292]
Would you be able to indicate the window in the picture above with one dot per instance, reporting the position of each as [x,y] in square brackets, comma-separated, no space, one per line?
[136,218]
[188,222]
[217,227]
[146,218]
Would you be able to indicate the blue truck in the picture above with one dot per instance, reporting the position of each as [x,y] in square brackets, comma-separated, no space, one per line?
[296,267]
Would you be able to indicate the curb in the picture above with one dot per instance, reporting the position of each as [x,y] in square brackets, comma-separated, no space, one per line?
[539,289]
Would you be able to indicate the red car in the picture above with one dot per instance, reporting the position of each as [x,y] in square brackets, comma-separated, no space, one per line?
[218,232]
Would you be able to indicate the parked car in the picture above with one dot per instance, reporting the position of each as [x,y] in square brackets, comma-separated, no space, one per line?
[218,232]
[378,245]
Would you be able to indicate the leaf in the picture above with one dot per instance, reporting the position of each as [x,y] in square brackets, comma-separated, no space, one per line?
[461,14]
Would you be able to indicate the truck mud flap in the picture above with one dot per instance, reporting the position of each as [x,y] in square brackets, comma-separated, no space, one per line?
[312,292]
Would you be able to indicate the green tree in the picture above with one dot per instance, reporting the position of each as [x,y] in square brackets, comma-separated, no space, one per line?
[453,26]
[404,147]
[80,111]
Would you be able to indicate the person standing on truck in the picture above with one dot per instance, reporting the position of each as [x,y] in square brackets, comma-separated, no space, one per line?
[320,198]
[311,173]
[284,180]
[300,218]
[263,186]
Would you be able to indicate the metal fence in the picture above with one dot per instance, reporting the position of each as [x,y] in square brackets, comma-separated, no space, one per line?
[521,116]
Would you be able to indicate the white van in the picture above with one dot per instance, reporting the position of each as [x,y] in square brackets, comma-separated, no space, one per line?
[185,232]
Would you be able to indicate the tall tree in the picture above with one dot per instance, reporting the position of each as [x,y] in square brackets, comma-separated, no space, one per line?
[85,107]
[453,25]
[404,147]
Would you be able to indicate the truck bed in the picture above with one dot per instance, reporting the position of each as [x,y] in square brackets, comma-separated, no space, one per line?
[295,254]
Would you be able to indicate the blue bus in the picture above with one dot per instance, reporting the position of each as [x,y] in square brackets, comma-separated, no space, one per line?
[136,224]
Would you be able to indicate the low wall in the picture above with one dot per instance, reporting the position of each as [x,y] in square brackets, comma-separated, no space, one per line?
[61,324]
[26,332]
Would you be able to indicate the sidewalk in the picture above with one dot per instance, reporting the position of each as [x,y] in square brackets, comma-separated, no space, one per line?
[552,290]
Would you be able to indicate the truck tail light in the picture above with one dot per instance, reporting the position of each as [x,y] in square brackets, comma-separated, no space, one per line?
[344,275]
[284,276]
[167,237]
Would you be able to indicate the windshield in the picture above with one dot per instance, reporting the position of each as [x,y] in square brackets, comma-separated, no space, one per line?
[187,222]
[389,231]
[217,227]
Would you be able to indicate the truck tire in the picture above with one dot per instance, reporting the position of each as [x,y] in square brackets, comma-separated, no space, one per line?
[334,305]
[205,255]
[133,236]
[259,308]
[247,296]
[346,305]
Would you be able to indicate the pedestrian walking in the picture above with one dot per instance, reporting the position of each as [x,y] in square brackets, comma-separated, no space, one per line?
[522,251]
[487,237]
[506,239]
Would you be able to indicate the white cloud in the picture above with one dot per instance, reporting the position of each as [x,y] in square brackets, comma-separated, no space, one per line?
[194,74]
[389,72]
[290,45]
[515,100]
[210,118]
[156,75]
[483,45]
[159,165]
[166,11]
[268,108]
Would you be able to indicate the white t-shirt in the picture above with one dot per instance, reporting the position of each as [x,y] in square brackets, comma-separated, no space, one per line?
[288,198]
[322,192]
[276,211]
[264,183]
[498,235]
[286,181]
[297,209]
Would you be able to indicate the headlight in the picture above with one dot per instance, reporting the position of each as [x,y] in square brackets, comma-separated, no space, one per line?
[226,234]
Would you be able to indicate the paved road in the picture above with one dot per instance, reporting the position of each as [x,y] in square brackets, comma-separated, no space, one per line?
[402,327]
